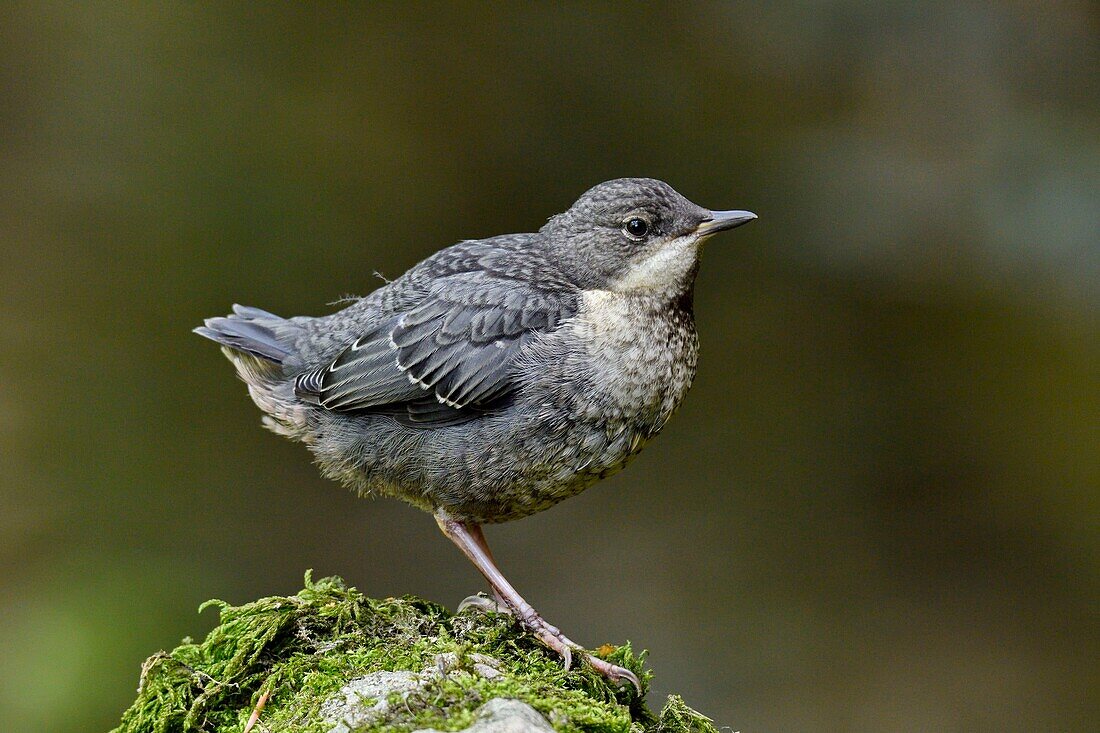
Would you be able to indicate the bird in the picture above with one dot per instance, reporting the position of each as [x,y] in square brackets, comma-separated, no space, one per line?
[498,376]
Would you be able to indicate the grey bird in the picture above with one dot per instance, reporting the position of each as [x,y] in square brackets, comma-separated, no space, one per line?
[498,376]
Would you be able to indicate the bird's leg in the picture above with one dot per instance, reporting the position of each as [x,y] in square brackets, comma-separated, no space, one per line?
[469,538]
[494,603]
[479,538]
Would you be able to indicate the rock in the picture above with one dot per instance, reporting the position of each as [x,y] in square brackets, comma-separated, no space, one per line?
[329,658]
[480,664]
[501,715]
[366,699]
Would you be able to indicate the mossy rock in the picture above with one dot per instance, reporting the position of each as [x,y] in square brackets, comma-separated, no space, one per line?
[330,659]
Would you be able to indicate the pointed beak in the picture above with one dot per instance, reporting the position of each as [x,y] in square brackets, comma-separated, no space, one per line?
[720,220]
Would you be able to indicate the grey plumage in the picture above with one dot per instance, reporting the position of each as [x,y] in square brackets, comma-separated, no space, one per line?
[245,331]
[498,376]
[501,375]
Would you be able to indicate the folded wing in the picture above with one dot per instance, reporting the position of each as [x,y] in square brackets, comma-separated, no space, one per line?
[448,357]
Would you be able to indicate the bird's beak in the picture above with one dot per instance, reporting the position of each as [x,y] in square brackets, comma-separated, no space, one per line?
[720,220]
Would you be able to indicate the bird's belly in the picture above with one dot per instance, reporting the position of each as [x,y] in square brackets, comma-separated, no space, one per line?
[542,464]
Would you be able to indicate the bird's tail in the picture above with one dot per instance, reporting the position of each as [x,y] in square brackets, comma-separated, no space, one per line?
[248,330]
[259,344]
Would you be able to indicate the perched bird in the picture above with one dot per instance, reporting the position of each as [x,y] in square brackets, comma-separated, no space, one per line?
[498,376]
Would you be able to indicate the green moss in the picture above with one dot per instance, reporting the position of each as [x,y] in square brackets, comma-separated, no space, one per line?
[304,648]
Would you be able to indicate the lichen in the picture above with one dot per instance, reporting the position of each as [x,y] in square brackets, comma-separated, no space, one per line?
[303,648]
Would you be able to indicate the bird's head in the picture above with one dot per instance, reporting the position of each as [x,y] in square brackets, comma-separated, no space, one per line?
[635,235]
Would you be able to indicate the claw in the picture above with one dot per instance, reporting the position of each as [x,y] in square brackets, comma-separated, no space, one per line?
[483,603]
[626,674]
[614,672]
[552,638]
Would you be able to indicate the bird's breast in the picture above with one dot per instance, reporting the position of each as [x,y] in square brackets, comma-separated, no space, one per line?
[639,357]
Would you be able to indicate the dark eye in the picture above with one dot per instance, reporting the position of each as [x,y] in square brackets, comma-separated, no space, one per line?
[636,227]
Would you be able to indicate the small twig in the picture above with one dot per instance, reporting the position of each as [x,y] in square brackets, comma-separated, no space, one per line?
[147,667]
[255,717]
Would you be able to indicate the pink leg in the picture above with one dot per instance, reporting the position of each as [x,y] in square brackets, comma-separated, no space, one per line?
[469,538]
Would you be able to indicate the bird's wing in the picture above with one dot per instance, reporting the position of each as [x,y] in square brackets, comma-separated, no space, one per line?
[457,345]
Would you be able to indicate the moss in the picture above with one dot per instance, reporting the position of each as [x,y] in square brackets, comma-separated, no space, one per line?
[304,648]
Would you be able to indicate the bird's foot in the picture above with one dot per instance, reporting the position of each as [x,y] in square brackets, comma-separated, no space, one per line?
[495,604]
[551,636]
[529,618]
[560,643]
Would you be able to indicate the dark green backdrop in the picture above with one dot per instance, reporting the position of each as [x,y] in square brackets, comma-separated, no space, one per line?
[878,509]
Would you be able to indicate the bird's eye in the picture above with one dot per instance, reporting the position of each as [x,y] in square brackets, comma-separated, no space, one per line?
[636,227]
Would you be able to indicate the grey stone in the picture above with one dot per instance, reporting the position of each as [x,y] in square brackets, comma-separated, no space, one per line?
[365,700]
[482,664]
[501,715]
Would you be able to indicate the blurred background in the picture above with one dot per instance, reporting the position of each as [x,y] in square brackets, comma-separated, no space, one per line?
[878,509]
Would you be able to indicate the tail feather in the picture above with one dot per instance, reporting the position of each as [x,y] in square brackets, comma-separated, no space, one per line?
[259,344]
[243,330]
[247,311]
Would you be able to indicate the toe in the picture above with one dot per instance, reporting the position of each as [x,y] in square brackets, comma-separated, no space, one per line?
[614,672]
[482,603]
[566,657]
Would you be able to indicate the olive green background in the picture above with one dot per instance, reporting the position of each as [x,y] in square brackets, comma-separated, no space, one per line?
[878,509]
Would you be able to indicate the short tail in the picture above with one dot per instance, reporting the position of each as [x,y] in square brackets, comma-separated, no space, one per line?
[245,330]
[259,344]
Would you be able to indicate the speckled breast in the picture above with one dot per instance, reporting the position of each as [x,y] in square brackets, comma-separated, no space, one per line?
[641,352]
[599,389]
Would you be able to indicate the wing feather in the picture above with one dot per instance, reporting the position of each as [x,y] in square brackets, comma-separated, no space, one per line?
[454,348]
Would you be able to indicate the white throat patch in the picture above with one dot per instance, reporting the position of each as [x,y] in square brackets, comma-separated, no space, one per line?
[663,270]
